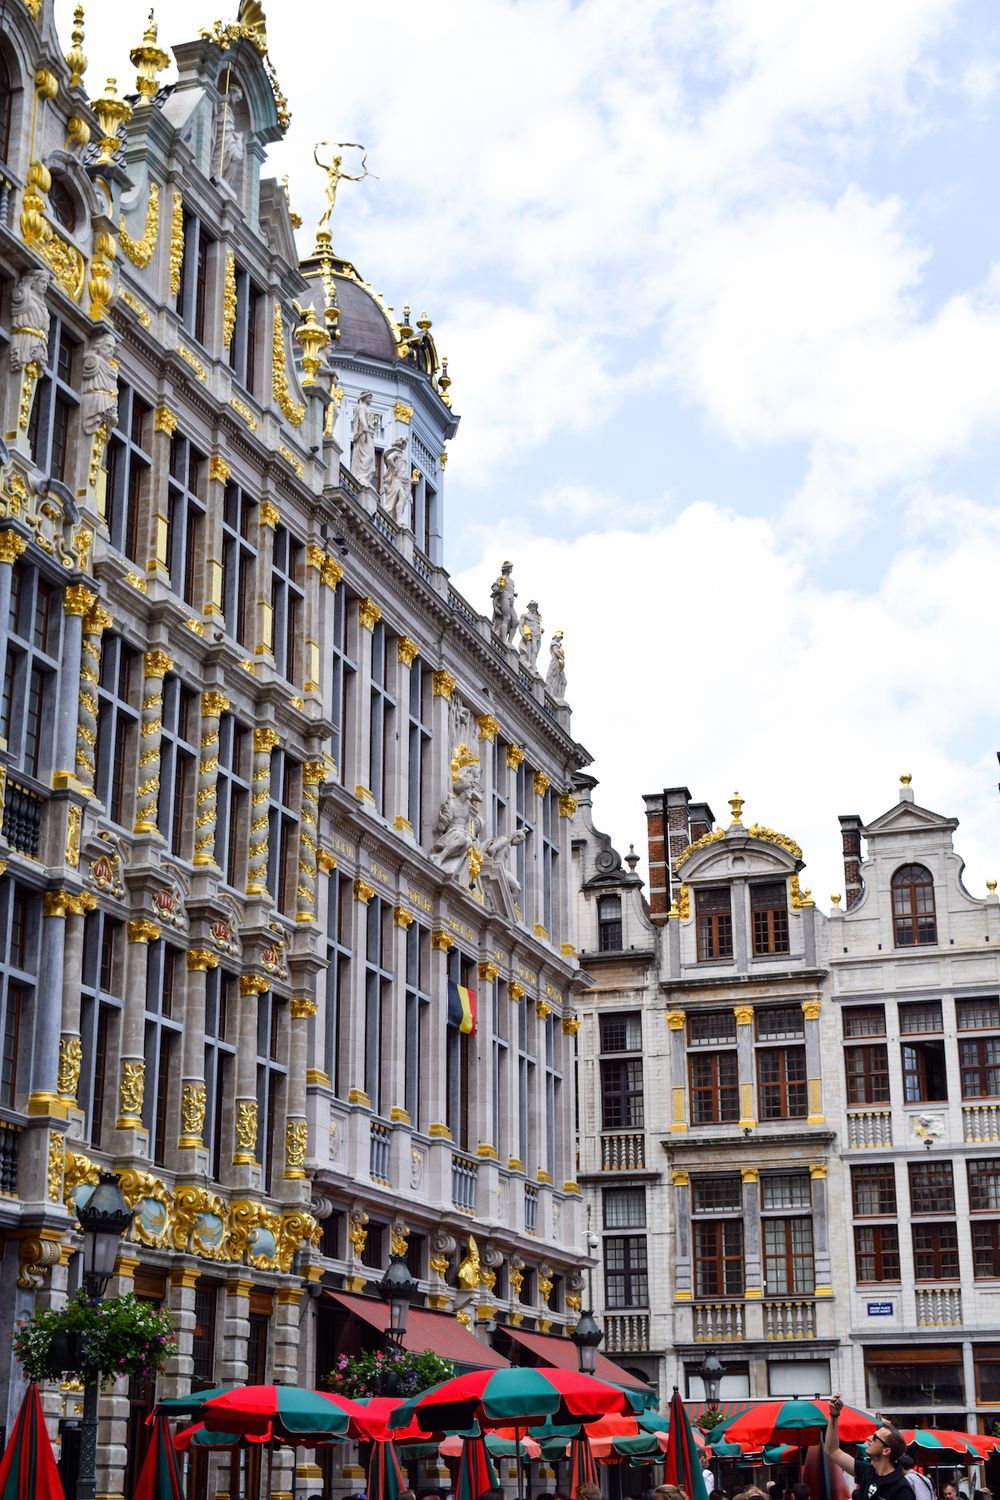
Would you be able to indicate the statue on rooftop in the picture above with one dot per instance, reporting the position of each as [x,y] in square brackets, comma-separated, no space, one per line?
[555,677]
[503,594]
[335,174]
[396,490]
[30,318]
[229,148]
[530,632]
[364,426]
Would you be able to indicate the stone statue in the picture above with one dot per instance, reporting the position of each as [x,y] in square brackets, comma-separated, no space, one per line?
[99,402]
[555,677]
[503,594]
[29,339]
[496,866]
[459,821]
[396,493]
[364,425]
[229,148]
[530,632]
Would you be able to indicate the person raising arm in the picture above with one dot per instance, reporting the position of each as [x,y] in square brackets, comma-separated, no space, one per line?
[876,1475]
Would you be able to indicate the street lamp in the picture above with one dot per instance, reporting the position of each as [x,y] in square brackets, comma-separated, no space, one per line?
[587,1334]
[398,1289]
[104,1218]
[711,1373]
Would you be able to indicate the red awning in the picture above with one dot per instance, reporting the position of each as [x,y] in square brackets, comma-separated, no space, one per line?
[437,1332]
[562,1354]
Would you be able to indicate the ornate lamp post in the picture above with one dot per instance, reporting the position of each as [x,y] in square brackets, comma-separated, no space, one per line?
[398,1289]
[104,1218]
[711,1372]
[587,1335]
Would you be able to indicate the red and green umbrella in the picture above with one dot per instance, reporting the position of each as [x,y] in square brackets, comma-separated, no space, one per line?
[794,1421]
[28,1465]
[515,1396]
[936,1443]
[583,1464]
[385,1477]
[475,1470]
[297,1416]
[159,1478]
[682,1464]
[197,1437]
[189,1405]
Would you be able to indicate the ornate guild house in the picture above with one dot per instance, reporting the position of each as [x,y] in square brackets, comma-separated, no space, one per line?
[286,915]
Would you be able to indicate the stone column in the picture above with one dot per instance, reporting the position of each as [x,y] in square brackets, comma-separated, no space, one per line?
[77,602]
[12,546]
[751,1233]
[157,557]
[313,775]
[821,1229]
[814,1063]
[285,1333]
[683,1285]
[567,1133]
[95,622]
[301,1009]
[487,974]
[395,1080]
[193,1090]
[676,1020]
[213,706]
[369,614]
[44,1074]
[180,1304]
[442,687]
[70,1045]
[407,651]
[147,798]
[246,1119]
[322,572]
[235,1330]
[744,1050]
[534,907]
[132,1074]
[213,605]
[565,930]
[442,943]
[264,742]
[268,517]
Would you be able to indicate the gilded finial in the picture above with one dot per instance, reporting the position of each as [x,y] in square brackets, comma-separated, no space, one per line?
[76,58]
[905,779]
[736,808]
[148,59]
[444,380]
[111,113]
[991,886]
[835,898]
[424,323]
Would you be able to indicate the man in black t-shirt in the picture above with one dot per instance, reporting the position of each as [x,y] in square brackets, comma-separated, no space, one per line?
[876,1476]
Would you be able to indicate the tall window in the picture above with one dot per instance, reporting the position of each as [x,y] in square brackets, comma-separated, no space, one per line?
[873,1191]
[718,1257]
[524,852]
[6,108]
[782,1090]
[206,1301]
[129,467]
[932,1187]
[626,1282]
[419,764]
[119,698]
[54,413]
[233,799]
[192,297]
[221,989]
[101,998]
[925,1076]
[525,1086]
[713,1078]
[178,763]
[33,634]
[984,1184]
[272,1074]
[186,520]
[621,1075]
[935,1251]
[713,909]
[287,607]
[979,1065]
[283,831]
[239,563]
[246,331]
[20,931]
[343,688]
[609,924]
[867,1070]
[769,913]
[876,1252]
[339,919]
[553,1092]
[163,1049]
[461,1058]
[383,718]
[417,1021]
[624,1208]
[788,1242]
[379,943]
[914,921]
[501,1069]
[550,862]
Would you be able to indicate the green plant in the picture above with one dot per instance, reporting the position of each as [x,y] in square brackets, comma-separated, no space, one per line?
[373,1373]
[709,1419]
[97,1341]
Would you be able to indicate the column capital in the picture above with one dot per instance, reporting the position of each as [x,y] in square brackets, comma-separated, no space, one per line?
[369,613]
[265,740]
[268,514]
[199,960]
[541,783]
[157,663]
[218,469]
[750,1174]
[811,1010]
[743,1014]
[680,1177]
[407,650]
[12,545]
[487,727]
[676,1019]
[515,755]
[77,600]
[817,1171]
[567,805]
[442,684]
[142,930]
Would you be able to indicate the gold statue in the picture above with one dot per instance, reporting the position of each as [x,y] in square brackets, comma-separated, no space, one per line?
[335,173]
[468,1270]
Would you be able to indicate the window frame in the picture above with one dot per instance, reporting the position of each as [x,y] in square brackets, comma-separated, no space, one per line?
[914,920]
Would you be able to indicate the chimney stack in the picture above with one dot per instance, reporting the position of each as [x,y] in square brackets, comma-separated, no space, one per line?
[659,877]
[850,829]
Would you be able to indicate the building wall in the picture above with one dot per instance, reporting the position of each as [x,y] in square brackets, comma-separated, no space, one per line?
[225,944]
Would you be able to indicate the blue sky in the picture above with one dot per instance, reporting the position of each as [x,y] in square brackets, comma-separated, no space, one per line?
[720,285]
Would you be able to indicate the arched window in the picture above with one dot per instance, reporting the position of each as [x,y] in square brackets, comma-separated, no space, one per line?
[609,923]
[913,916]
[6,107]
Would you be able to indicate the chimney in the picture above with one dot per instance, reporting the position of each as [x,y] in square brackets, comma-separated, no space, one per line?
[659,877]
[678,805]
[850,829]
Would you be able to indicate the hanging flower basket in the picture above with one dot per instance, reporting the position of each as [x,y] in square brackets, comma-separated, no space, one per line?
[373,1373]
[102,1341]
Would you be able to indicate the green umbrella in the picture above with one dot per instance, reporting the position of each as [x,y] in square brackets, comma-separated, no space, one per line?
[193,1402]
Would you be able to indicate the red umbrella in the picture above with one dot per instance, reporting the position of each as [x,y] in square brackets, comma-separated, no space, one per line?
[583,1465]
[295,1415]
[159,1478]
[385,1477]
[682,1465]
[795,1421]
[28,1466]
[517,1396]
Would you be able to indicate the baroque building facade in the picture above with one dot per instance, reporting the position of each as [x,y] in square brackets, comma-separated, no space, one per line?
[789,1133]
[271,786]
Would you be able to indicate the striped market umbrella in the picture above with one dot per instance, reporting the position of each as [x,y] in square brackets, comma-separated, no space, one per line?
[292,1414]
[683,1465]
[385,1477]
[189,1405]
[475,1470]
[794,1421]
[28,1466]
[160,1477]
[517,1396]
[197,1437]
[940,1443]
[583,1464]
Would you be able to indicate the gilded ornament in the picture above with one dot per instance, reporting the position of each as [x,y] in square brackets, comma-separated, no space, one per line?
[515,756]
[76,58]
[133,302]
[268,514]
[148,59]
[402,917]
[369,613]
[112,113]
[567,805]
[331,572]
[487,727]
[297,1228]
[407,650]
[399,1235]
[515,990]
[176,244]
[229,301]
[70,1060]
[363,891]
[680,1178]
[301,1007]
[158,663]
[218,469]
[242,410]
[296,1145]
[515,1276]
[77,133]
[817,1171]
[265,740]
[743,1014]
[291,460]
[254,984]
[439,1263]
[403,413]
[541,783]
[570,1025]
[810,1010]
[325,861]
[131,1089]
[292,410]
[193,1102]
[246,1127]
[487,971]
[357,1232]
[442,941]
[12,546]
[313,340]
[676,1019]
[57,1159]
[193,361]
[140,251]
[143,931]
[543,1010]
[165,420]
[442,684]
[214,704]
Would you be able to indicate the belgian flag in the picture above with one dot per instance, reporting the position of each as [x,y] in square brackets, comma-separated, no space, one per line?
[462,1008]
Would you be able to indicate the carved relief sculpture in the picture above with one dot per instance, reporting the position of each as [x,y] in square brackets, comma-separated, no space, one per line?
[229,149]
[458,823]
[555,677]
[396,481]
[30,318]
[503,595]
[364,425]
[530,634]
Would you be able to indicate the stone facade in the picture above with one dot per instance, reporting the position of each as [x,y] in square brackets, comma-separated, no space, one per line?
[789,1120]
[237,691]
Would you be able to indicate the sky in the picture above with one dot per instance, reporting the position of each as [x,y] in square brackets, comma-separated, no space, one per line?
[719,283]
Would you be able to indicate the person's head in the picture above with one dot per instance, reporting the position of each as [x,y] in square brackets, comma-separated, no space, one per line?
[491,1495]
[886,1444]
[717,1495]
[800,1491]
[949,1491]
[403,1495]
[588,1492]
[905,1462]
